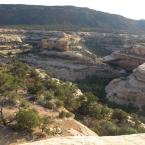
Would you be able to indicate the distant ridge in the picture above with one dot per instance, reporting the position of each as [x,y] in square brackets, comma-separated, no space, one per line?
[67,17]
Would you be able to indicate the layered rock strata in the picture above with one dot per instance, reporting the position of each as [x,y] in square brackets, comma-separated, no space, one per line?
[127,59]
[67,55]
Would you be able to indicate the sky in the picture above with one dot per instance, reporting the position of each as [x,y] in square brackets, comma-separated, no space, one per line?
[134,9]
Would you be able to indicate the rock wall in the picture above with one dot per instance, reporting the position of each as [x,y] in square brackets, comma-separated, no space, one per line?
[69,65]
[129,90]
[124,60]
[66,55]
[95,40]
[64,42]
[12,43]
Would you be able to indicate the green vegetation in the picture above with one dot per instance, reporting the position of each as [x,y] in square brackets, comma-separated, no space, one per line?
[107,121]
[94,84]
[27,119]
[66,18]
[64,114]
[21,88]
[103,117]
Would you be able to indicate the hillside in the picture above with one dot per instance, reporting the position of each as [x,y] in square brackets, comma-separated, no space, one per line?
[35,106]
[67,17]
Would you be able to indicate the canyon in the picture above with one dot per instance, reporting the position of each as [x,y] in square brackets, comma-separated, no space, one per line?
[77,74]
[73,56]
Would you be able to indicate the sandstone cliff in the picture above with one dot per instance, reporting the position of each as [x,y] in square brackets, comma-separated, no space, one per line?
[60,41]
[128,59]
[94,41]
[71,55]
[129,90]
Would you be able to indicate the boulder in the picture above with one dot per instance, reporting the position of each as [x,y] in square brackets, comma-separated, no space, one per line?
[128,90]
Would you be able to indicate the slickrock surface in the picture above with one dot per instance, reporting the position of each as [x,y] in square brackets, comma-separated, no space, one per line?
[136,139]
[129,90]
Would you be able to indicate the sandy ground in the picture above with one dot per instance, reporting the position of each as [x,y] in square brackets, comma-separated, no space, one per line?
[69,127]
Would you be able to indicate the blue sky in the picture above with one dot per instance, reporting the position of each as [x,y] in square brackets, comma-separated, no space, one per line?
[129,8]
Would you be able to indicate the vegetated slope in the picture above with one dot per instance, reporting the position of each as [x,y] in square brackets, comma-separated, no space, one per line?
[33,101]
[66,17]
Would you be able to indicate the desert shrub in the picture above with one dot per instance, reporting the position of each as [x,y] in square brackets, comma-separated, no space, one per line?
[127,130]
[71,103]
[8,83]
[65,93]
[88,101]
[65,89]
[119,115]
[45,121]
[24,103]
[140,129]
[49,95]
[90,97]
[19,69]
[90,106]
[53,104]
[59,103]
[27,119]
[106,128]
[105,112]
[51,84]
[50,104]
[95,110]
[35,86]
[64,114]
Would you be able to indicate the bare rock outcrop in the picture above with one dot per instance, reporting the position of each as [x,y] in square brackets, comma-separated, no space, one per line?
[136,139]
[72,55]
[129,90]
[12,42]
[69,65]
[61,41]
[128,59]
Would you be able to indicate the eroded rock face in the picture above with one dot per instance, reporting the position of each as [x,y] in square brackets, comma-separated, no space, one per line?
[138,50]
[11,41]
[128,59]
[67,55]
[129,90]
[66,40]
[60,53]
[61,42]
[69,65]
